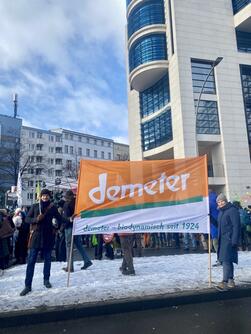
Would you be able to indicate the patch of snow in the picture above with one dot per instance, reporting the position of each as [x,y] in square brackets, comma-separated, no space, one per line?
[103,281]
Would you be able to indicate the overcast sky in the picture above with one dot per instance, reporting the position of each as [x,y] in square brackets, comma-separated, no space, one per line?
[66,61]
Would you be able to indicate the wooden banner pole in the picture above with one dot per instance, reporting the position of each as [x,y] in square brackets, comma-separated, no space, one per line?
[70,260]
[209,257]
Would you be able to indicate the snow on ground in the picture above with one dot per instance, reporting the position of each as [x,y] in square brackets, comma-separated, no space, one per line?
[103,281]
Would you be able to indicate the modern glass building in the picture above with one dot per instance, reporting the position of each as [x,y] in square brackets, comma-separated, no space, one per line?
[189,85]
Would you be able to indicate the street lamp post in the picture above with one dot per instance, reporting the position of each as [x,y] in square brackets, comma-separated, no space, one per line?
[215,63]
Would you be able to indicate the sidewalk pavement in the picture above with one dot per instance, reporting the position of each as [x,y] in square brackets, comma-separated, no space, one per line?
[69,312]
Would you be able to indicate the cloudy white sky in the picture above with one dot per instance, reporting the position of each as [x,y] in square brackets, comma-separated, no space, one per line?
[66,61]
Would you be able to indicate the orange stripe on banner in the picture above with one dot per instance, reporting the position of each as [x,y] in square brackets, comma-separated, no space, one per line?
[111,184]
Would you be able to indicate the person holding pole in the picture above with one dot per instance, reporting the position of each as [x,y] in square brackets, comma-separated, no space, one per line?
[229,228]
[68,215]
[127,267]
[41,237]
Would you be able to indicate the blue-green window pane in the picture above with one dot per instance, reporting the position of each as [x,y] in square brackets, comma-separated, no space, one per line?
[207,120]
[243,41]
[148,13]
[146,49]
[239,4]
[157,131]
[200,71]
[246,89]
[155,97]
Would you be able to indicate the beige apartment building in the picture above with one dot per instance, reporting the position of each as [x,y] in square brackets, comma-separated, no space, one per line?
[189,85]
[51,158]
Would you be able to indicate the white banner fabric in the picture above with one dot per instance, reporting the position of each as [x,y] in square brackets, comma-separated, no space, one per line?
[182,218]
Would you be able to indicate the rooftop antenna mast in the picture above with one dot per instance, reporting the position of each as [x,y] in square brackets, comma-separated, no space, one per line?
[15,104]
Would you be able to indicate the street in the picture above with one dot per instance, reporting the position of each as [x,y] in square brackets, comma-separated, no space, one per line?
[231,316]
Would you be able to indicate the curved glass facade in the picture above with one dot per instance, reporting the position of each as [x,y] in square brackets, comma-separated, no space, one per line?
[148,13]
[239,4]
[157,132]
[128,2]
[155,97]
[147,49]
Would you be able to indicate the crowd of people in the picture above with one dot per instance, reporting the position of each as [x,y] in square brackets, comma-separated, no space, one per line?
[46,229]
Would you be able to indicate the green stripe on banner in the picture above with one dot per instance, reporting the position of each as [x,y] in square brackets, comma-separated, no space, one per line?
[111,211]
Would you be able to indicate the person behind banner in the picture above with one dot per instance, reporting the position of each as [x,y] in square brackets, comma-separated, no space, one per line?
[229,228]
[126,241]
[186,238]
[41,238]
[245,219]
[68,213]
[137,248]
[104,241]
[213,215]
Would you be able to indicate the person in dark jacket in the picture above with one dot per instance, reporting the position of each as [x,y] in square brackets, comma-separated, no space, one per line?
[68,214]
[229,228]
[213,215]
[4,246]
[22,239]
[42,237]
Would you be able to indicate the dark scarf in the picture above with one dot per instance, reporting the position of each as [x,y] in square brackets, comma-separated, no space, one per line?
[44,205]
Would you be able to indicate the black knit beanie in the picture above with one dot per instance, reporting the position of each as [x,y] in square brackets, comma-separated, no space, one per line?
[45,192]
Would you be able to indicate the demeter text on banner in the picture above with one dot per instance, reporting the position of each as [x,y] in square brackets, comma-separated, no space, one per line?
[142,196]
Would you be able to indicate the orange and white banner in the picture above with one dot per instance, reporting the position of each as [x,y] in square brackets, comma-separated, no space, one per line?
[142,196]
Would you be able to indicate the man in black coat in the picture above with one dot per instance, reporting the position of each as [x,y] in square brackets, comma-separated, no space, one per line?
[229,228]
[41,237]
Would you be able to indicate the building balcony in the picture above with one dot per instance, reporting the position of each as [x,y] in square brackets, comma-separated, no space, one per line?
[146,31]
[148,60]
[242,18]
[147,74]
[216,181]
[205,140]
[163,152]
[130,4]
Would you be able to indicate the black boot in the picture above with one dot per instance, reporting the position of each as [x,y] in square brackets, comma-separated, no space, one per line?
[128,272]
[86,265]
[26,290]
[47,284]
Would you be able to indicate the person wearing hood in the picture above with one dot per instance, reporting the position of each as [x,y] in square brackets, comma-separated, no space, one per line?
[41,237]
[229,228]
